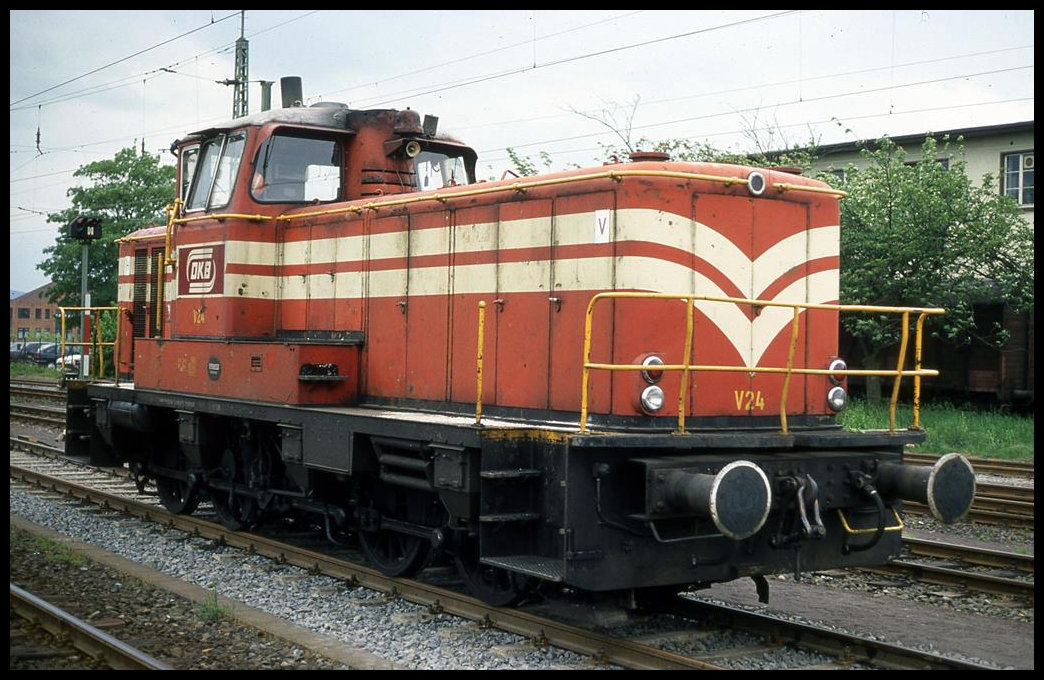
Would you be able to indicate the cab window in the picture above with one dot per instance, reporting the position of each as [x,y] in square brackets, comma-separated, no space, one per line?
[291,168]
[189,156]
[215,172]
[436,170]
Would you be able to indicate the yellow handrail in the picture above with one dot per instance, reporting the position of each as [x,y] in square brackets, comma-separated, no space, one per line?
[115,344]
[787,370]
[478,361]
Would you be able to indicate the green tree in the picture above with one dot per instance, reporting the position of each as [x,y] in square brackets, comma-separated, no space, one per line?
[126,192]
[922,234]
[525,167]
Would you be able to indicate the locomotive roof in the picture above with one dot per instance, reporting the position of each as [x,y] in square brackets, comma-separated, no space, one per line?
[332,115]
[329,115]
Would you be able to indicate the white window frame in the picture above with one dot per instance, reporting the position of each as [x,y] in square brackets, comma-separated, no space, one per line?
[1025,165]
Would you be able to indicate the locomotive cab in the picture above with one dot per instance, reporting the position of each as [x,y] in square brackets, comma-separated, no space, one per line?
[323,154]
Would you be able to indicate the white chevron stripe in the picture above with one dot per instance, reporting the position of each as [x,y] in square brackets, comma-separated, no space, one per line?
[751,278]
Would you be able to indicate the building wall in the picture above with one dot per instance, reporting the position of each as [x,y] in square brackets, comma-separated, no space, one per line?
[984,148]
[33,317]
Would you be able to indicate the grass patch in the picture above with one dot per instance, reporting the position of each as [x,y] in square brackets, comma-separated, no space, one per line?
[212,610]
[51,550]
[21,369]
[951,428]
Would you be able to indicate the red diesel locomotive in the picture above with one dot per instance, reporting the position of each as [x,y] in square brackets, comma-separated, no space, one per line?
[620,379]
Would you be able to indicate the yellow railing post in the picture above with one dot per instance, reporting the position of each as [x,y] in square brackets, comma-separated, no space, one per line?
[905,337]
[61,313]
[917,367]
[790,369]
[586,376]
[478,371]
[686,358]
[172,217]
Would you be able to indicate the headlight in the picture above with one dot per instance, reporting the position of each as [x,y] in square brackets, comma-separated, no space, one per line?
[836,398]
[651,375]
[756,183]
[652,398]
[837,365]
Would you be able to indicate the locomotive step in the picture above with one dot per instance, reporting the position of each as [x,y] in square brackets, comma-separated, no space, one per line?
[510,474]
[531,565]
[510,517]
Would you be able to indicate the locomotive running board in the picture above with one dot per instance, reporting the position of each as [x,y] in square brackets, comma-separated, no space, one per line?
[531,565]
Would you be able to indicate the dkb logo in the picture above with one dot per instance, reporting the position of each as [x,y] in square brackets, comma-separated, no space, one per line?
[201,270]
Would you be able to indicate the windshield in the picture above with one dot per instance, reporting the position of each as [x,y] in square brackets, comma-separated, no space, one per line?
[216,171]
[436,170]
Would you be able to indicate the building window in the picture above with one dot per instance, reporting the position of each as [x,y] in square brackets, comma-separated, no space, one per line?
[39,313]
[47,314]
[23,312]
[1018,177]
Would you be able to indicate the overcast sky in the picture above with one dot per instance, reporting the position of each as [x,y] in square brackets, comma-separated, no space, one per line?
[85,84]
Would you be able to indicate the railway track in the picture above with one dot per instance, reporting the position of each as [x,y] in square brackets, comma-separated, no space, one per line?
[602,648]
[982,466]
[67,630]
[975,568]
[50,416]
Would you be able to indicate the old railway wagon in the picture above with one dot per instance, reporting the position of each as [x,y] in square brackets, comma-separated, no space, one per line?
[620,379]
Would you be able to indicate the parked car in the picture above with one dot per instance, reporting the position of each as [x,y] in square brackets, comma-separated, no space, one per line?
[16,350]
[27,349]
[70,363]
[44,355]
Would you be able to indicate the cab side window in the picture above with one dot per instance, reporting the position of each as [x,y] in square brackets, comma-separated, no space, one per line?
[189,156]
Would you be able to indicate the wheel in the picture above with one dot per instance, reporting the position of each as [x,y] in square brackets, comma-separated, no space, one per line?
[246,467]
[177,496]
[234,511]
[394,554]
[493,585]
[390,552]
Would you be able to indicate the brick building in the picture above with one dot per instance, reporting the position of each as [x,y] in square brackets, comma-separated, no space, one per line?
[33,317]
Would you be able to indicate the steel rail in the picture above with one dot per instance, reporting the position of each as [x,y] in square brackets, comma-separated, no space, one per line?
[982,466]
[844,646]
[978,555]
[83,636]
[948,576]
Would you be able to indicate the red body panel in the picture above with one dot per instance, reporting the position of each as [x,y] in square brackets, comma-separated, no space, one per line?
[267,372]
[409,279]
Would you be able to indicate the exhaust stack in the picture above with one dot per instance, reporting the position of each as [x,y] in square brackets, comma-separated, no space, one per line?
[291,91]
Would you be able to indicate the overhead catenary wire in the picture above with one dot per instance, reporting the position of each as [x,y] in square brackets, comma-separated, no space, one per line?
[121,60]
[608,50]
